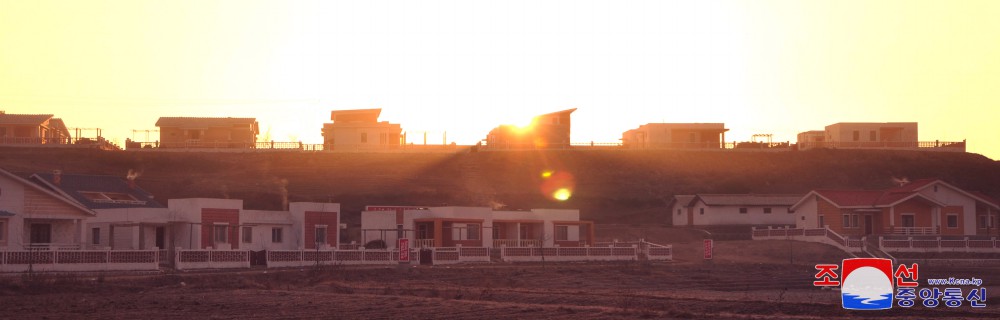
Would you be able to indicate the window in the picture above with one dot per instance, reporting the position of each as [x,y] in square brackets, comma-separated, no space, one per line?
[562,233]
[194,134]
[41,233]
[364,137]
[701,210]
[907,220]
[857,135]
[743,210]
[276,235]
[767,210]
[382,138]
[821,222]
[847,221]
[422,232]
[3,230]
[320,234]
[472,231]
[952,221]
[247,234]
[854,221]
[872,135]
[678,211]
[95,236]
[220,233]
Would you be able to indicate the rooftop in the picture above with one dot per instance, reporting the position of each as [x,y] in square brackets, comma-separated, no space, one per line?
[99,191]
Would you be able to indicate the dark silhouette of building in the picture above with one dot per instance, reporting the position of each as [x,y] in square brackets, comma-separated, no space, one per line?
[547,131]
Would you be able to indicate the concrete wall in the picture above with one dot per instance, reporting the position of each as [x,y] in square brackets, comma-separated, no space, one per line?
[844,132]
[348,136]
[730,215]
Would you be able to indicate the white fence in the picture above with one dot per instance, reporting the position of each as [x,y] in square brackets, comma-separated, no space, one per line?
[79,260]
[936,244]
[301,258]
[211,259]
[569,254]
[822,235]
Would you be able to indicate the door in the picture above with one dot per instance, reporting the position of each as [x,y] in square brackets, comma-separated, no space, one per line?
[868,224]
[161,238]
[41,233]
[426,256]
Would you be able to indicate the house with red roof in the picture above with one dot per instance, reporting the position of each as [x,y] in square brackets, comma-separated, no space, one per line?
[922,207]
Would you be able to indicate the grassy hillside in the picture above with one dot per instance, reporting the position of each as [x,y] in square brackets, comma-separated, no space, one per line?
[629,187]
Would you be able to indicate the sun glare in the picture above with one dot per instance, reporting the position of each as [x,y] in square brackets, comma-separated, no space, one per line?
[562,194]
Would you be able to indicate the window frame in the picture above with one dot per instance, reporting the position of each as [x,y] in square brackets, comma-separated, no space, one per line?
[469,227]
[744,210]
[316,234]
[767,210]
[948,220]
[912,218]
[246,234]
[277,233]
[220,233]
[561,233]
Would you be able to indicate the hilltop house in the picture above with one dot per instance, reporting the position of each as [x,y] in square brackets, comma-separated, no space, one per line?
[34,217]
[32,129]
[360,130]
[477,227]
[733,209]
[547,131]
[868,135]
[195,132]
[675,136]
[922,207]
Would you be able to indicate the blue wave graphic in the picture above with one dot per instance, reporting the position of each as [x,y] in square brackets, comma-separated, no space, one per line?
[856,302]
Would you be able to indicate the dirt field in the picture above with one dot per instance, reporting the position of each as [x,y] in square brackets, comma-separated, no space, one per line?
[748,279]
[621,290]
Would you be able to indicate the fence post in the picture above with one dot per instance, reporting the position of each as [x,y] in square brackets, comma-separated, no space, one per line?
[880,242]
[939,243]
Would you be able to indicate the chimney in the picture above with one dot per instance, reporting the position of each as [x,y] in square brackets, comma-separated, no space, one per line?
[56,177]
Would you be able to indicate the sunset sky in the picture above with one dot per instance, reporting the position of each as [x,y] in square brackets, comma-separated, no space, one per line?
[465,66]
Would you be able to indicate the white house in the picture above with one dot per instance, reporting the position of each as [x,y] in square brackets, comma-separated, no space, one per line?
[476,227]
[734,209]
[32,216]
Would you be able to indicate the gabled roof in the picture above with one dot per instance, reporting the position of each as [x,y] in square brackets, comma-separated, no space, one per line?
[26,119]
[883,198]
[986,199]
[75,185]
[205,122]
[46,191]
[684,199]
[747,199]
[58,124]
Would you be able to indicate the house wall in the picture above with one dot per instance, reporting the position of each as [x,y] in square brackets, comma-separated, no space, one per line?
[316,218]
[730,215]
[260,223]
[674,135]
[807,214]
[952,197]
[241,134]
[33,206]
[347,136]
[844,132]
[211,217]
[298,210]
[923,213]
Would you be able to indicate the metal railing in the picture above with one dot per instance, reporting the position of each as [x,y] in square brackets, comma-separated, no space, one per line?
[956,146]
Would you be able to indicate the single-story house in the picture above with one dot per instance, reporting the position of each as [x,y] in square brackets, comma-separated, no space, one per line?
[733,209]
[921,207]
[477,227]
